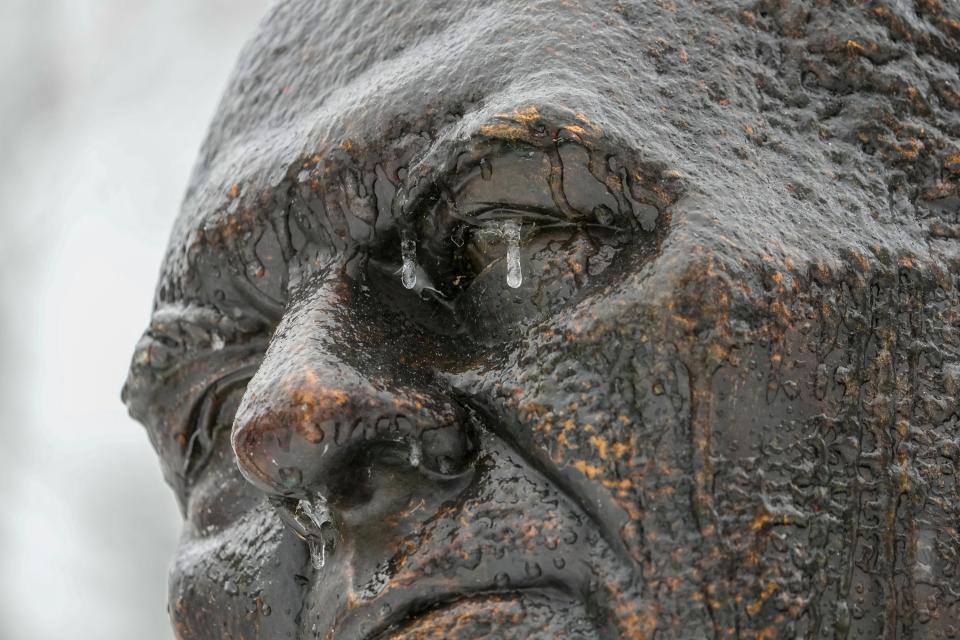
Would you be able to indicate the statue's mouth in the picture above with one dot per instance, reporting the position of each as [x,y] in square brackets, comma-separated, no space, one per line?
[495,593]
[490,562]
[465,615]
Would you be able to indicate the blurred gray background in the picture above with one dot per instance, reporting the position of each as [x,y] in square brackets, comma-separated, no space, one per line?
[103,105]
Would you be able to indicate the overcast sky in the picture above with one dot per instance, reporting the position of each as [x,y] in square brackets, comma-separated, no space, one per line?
[103,107]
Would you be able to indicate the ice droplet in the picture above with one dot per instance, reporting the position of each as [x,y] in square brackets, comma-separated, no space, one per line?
[511,230]
[603,214]
[323,533]
[486,169]
[408,252]
[415,453]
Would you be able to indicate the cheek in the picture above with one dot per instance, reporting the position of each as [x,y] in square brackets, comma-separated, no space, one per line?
[246,581]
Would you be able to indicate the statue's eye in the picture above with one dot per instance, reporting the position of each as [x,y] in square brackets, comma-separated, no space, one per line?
[523,249]
[468,250]
[522,270]
[492,274]
[213,417]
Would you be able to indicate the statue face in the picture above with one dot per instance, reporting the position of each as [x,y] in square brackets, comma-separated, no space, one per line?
[562,320]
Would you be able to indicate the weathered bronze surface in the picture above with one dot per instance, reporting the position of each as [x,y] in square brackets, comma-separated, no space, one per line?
[722,403]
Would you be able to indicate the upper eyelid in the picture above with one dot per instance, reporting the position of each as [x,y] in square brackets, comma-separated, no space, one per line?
[493,212]
[435,192]
[530,217]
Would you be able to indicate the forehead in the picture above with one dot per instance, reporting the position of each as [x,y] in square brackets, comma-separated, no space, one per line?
[354,79]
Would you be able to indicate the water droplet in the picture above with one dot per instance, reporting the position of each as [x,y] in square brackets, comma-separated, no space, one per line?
[231,587]
[533,569]
[559,562]
[318,552]
[266,610]
[408,252]
[501,581]
[511,230]
[217,342]
[415,454]
[486,169]
[291,477]
[603,214]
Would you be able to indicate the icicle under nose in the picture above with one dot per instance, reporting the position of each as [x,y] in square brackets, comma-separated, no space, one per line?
[408,253]
[511,231]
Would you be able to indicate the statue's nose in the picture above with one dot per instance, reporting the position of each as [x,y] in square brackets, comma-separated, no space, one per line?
[310,422]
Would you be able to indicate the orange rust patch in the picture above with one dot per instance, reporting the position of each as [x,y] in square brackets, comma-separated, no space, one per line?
[910,149]
[754,607]
[504,131]
[601,445]
[760,522]
[767,633]
[587,469]
[526,115]
[855,47]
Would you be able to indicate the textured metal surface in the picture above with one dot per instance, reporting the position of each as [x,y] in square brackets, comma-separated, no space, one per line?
[722,403]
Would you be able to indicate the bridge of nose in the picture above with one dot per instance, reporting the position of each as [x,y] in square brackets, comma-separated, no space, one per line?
[307,405]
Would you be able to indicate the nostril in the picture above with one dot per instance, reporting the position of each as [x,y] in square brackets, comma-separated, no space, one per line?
[367,450]
[446,450]
[378,477]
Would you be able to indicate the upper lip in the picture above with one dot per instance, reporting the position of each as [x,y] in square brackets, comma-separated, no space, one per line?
[418,604]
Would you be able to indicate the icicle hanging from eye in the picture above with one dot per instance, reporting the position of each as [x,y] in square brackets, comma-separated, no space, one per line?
[408,254]
[511,231]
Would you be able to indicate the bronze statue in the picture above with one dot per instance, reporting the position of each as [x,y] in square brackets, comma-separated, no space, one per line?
[569,319]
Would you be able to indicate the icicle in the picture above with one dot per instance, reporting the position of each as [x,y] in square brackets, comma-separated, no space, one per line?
[511,230]
[408,252]
[321,533]
[415,454]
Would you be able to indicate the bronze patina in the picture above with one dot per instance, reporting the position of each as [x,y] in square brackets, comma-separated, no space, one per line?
[569,319]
